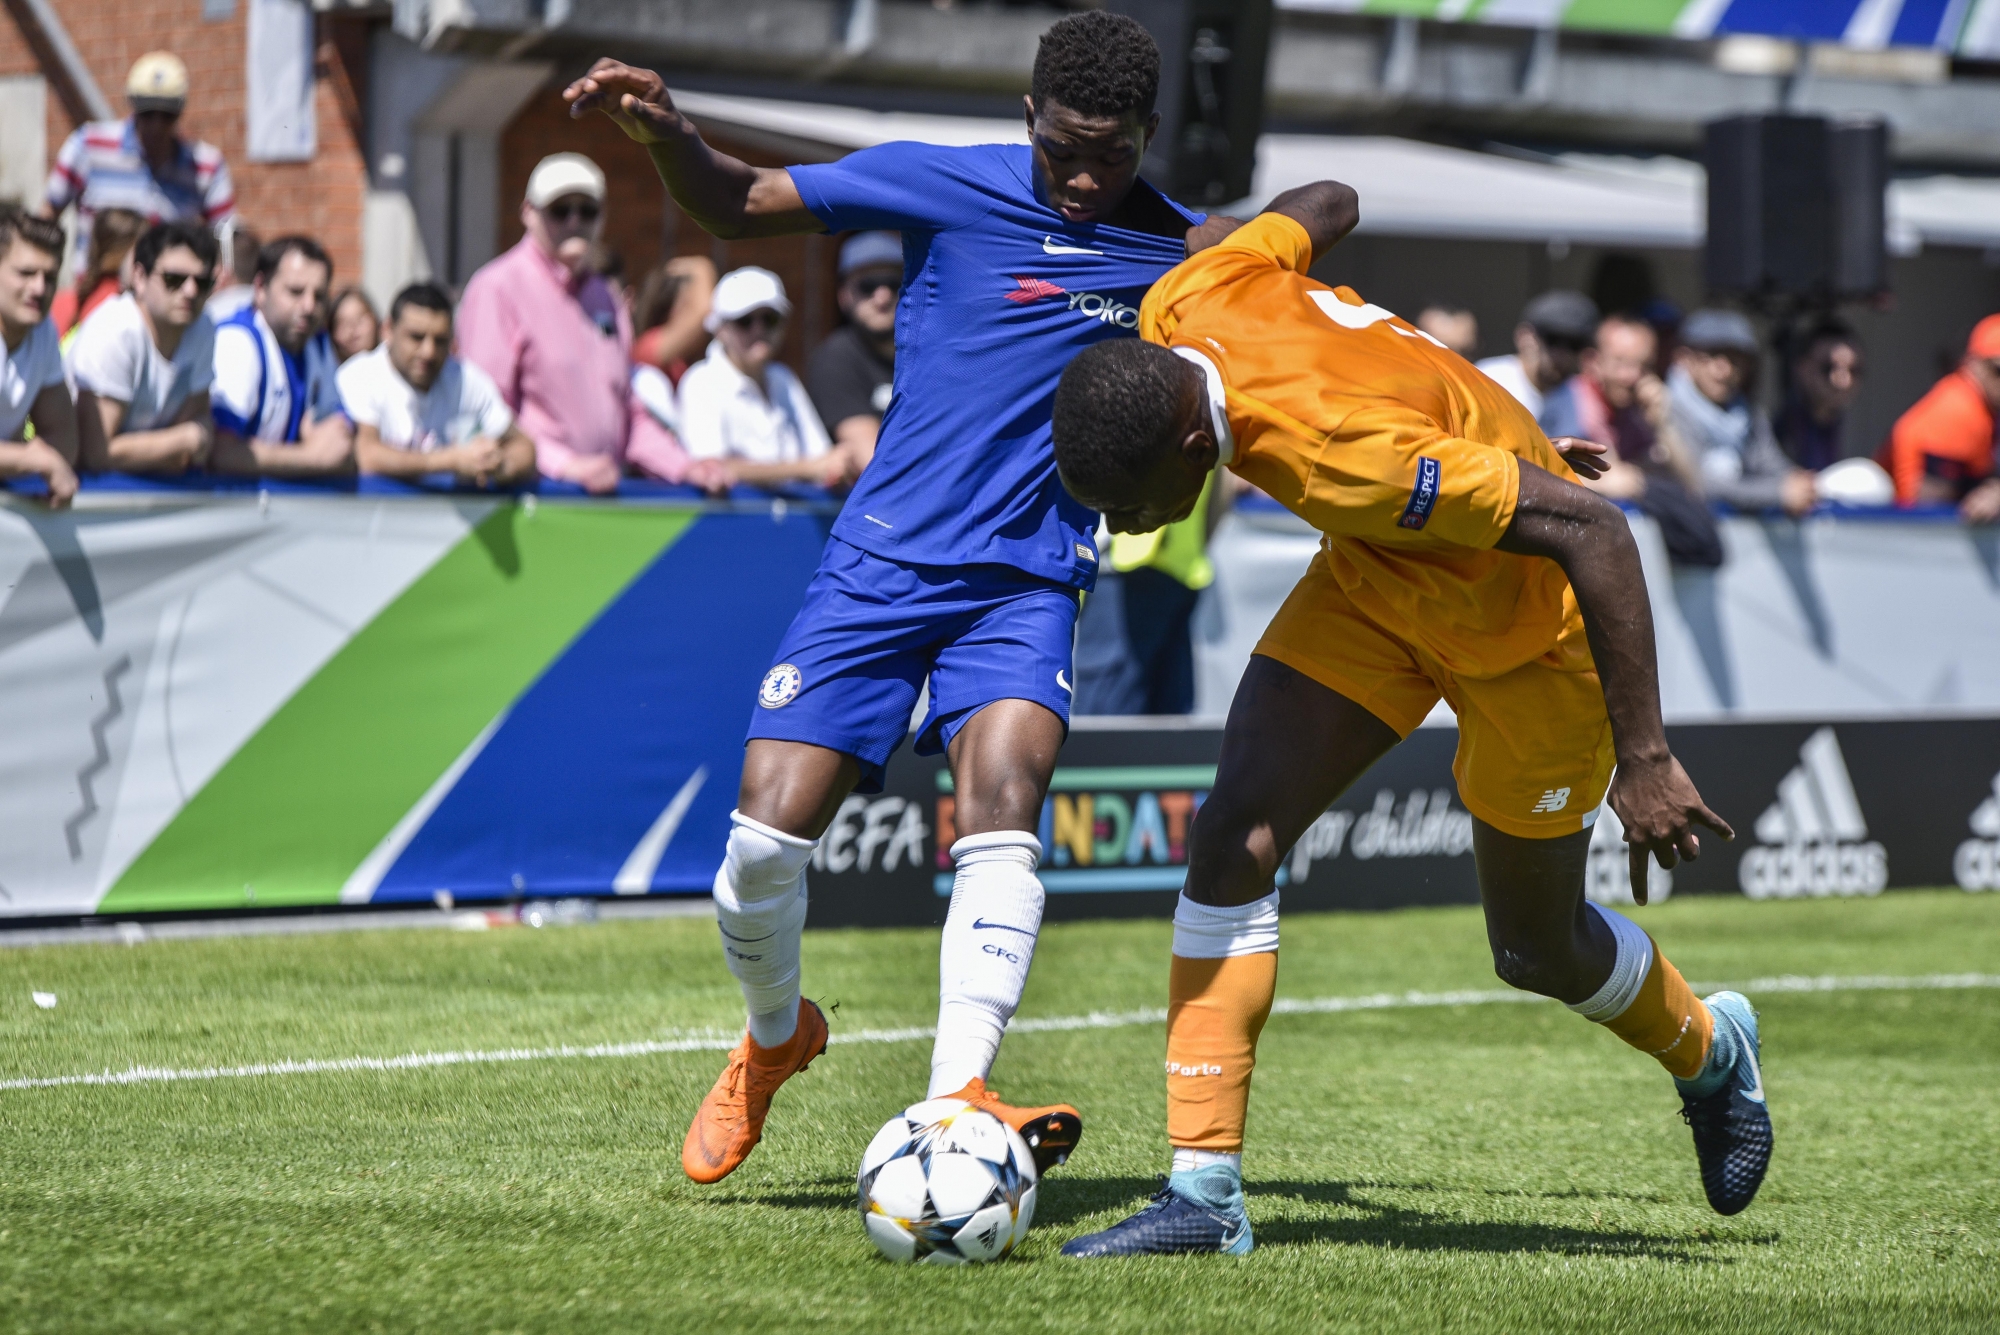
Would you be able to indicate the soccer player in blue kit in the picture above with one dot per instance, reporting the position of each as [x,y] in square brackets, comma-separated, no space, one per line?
[958,559]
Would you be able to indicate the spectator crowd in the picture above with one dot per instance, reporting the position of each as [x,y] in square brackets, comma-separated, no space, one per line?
[183,345]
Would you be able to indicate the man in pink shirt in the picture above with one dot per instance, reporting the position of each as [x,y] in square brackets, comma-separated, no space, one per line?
[558,342]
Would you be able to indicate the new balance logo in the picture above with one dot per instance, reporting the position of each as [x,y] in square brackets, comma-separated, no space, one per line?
[1813,834]
[1555,799]
[1976,865]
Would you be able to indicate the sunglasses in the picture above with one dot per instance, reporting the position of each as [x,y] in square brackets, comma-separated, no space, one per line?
[174,282]
[566,213]
[868,287]
[758,321]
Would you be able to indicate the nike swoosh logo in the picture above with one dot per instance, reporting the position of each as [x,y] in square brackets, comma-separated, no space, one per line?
[1050,246]
[1754,1095]
[1064,682]
[981,925]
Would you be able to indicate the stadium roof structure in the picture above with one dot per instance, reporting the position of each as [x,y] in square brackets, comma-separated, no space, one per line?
[1407,187]
[1969,28]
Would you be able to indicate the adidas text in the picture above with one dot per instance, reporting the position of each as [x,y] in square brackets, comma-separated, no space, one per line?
[1814,838]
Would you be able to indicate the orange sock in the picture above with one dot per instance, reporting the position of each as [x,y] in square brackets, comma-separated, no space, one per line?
[1216,1010]
[1647,1003]
[1667,1020]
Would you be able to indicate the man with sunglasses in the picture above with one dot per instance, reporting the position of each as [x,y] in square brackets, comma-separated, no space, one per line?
[957,562]
[850,372]
[551,332]
[142,363]
[141,163]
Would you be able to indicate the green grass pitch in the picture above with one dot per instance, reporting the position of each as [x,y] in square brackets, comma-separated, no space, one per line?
[1470,1168]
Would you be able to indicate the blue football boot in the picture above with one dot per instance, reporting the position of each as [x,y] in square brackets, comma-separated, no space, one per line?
[1195,1211]
[1724,1106]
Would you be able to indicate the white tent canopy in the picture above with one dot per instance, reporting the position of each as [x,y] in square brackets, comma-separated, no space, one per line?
[1409,188]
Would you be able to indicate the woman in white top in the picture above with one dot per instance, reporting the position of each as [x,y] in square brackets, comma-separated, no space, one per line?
[742,406]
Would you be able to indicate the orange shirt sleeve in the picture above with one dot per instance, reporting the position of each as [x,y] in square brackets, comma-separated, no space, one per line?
[1394,477]
[1268,241]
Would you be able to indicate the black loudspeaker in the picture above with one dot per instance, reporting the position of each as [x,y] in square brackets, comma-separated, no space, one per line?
[1861,192]
[1212,59]
[1795,207]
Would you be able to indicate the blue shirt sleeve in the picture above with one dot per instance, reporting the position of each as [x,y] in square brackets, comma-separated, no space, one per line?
[900,186]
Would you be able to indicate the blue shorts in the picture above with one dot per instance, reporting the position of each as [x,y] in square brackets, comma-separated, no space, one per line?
[849,670]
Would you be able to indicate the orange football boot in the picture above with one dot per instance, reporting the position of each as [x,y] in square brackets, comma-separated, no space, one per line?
[731,1119]
[1051,1132]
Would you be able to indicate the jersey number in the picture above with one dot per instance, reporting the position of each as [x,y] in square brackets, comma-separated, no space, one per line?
[1360,317]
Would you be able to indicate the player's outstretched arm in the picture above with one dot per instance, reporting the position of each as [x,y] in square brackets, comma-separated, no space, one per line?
[729,198]
[1327,210]
[1588,537]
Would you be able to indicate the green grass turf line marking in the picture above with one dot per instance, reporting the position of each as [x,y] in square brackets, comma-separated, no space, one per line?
[293,812]
[715,1041]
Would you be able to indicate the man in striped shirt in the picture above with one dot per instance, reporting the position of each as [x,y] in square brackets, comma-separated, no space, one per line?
[141,163]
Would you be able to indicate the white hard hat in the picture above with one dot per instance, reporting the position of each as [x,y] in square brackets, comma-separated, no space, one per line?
[561,174]
[742,291]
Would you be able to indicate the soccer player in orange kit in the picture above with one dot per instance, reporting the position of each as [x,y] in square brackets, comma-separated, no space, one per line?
[1461,561]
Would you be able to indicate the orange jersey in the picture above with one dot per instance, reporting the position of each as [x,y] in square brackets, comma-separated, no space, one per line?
[1402,454]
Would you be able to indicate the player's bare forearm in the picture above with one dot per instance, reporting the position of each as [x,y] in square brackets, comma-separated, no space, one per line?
[1588,537]
[1327,210]
[729,198]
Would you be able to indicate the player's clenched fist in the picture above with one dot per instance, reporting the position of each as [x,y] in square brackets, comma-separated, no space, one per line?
[636,100]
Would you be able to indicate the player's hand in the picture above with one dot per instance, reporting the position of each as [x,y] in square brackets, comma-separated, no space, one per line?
[1216,228]
[636,100]
[1584,457]
[1659,807]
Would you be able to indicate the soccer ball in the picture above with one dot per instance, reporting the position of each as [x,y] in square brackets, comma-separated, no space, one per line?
[944,1183]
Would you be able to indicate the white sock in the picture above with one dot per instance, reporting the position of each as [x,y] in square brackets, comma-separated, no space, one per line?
[1628,969]
[1210,932]
[1187,1161]
[989,942]
[760,905]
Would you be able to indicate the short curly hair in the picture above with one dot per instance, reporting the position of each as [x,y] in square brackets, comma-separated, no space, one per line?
[1098,63]
[1117,409]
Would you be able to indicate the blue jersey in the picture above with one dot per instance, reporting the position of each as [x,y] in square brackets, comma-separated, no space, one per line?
[999,293]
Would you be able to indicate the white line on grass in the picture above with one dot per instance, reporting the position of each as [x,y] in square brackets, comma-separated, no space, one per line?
[715,1041]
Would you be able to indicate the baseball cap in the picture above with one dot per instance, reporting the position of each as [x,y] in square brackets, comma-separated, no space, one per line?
[561,174]
[158,82]
[742,291]
[1564,314]
[1985,341]
[1712,330]
[871,248]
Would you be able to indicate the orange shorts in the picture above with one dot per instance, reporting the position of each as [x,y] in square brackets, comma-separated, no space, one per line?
[1534,744]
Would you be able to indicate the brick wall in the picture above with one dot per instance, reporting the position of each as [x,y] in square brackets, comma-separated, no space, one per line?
[322,198]
[643,225]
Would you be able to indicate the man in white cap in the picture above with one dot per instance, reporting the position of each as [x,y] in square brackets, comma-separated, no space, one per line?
[141,163]
[743,406]
[551,332]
